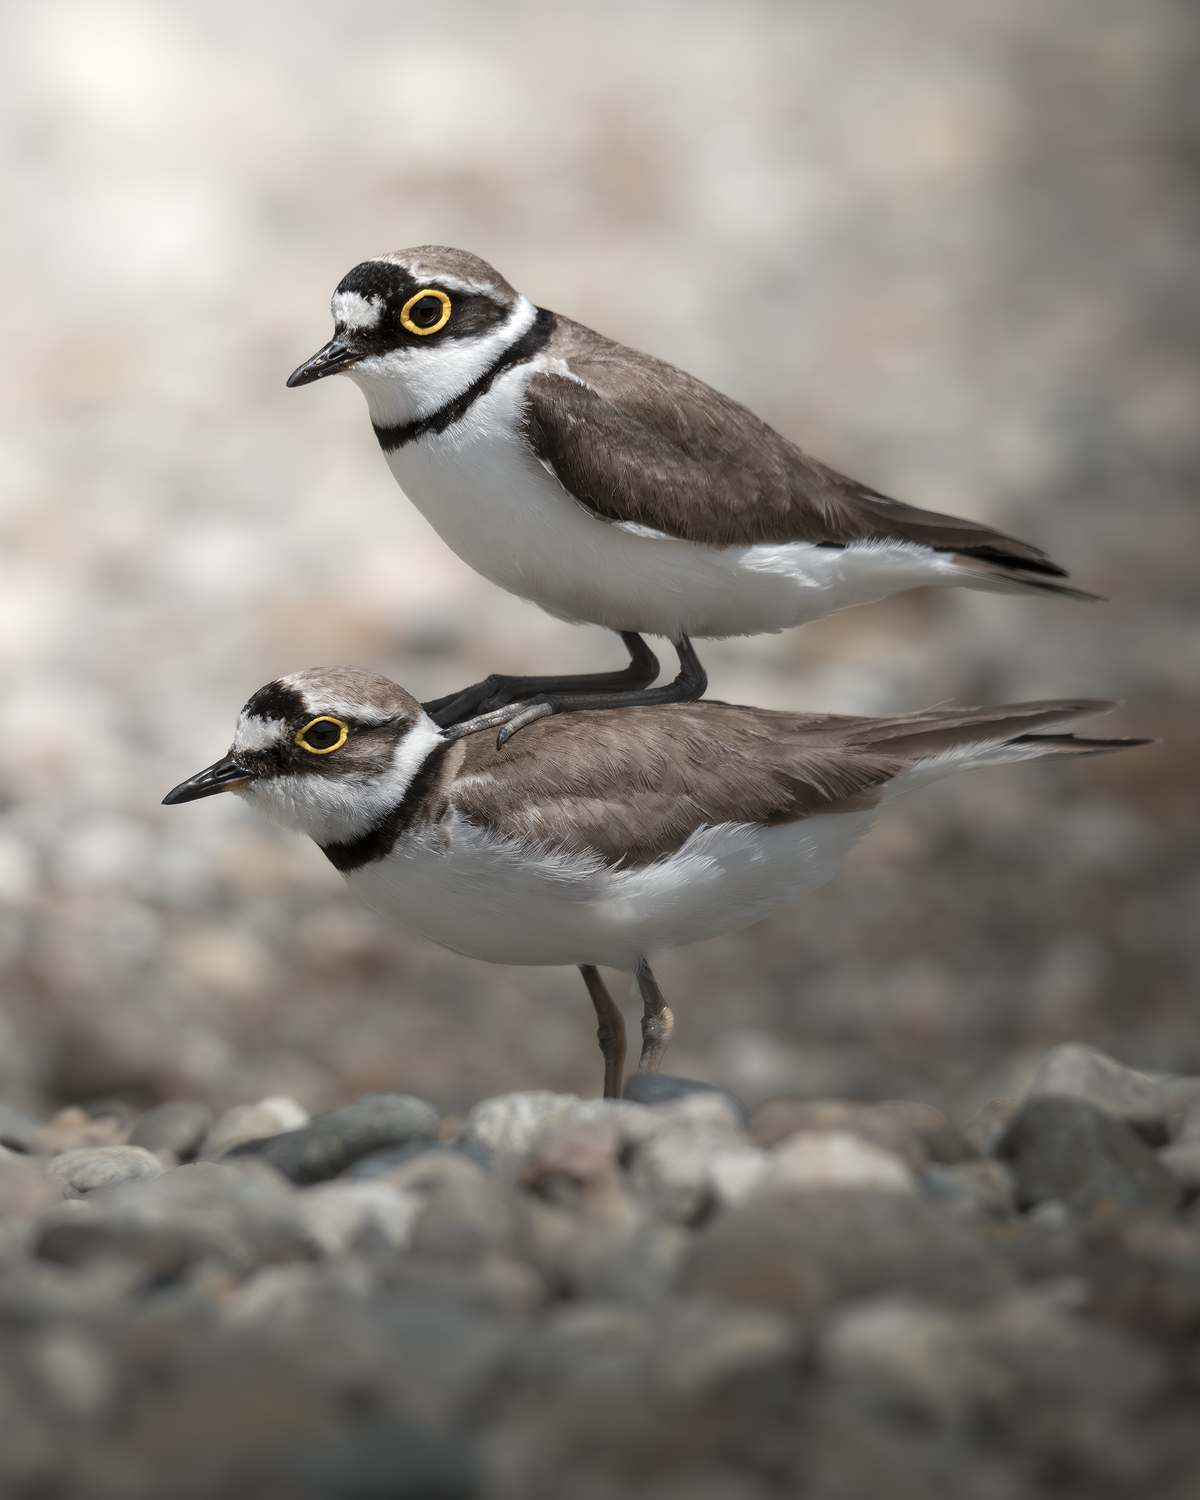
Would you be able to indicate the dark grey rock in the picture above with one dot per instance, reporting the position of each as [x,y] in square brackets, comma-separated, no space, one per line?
[388,1459]
[380,1163]
[1077,1071]
[663,1088]
[17,1128]
[1068,1149]
[177,1126]
[330,1143]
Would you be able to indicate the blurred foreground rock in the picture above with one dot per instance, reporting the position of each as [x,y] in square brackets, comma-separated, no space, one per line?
[558,1297]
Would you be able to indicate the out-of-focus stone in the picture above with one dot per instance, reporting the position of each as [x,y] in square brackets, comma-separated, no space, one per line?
[664,1088]
[461,1213]
[1188,1128]
[385,1459]
[1182,1160]
[25,1189]
[685,1156]
[1049,1381]
[160,1251]
[18,1128]
[800,1251]
[502,1129]
[179,1126]
[907,1355]
[1069,1149]
[973,1188]
[578,1222]
[249,1122]
[344,1216]
[384,1163]
[71,1129]
[1076,1071]
[1143,1274]
[916,1132]
[79,1172]
[819,1159]
[244,1212]
[983,1130]
[330,1143]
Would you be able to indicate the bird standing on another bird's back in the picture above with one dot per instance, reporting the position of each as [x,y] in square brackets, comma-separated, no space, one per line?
[611,488]
[602,838]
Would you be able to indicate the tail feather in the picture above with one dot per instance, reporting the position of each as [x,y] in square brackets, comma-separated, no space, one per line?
[935,731]
[994,577]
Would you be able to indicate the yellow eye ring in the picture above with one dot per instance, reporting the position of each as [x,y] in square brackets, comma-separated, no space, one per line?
[328,749]
[429,291]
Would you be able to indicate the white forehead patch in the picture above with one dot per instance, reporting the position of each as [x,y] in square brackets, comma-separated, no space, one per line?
[255,733]
[351,310]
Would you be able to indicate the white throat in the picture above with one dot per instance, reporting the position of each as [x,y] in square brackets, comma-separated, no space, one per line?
[340,808]
[408,384]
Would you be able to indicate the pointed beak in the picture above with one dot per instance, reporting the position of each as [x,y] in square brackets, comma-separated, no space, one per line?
[222,776]
[336,356]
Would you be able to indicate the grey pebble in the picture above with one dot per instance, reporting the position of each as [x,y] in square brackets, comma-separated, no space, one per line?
[330,1143]
[17,1128]
[664,1088]
[387,1459]
[1068,1149]
[87,1168]
[179,1126]
[380,1163]
[1077,1071]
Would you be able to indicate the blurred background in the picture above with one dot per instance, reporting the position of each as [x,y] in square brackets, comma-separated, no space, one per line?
[950,248]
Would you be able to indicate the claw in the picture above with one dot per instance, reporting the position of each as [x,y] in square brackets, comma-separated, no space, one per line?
[534,711]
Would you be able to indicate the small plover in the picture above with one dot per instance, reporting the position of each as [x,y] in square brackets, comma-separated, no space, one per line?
[606,837]
[611,488]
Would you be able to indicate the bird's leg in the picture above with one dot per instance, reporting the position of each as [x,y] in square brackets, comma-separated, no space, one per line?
[690,684]
[497,691]
[657,1020]
[611,1031]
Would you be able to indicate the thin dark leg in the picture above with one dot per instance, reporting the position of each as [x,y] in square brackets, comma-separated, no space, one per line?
[690,684]
[611,1031]
[498,691]
[657,1020]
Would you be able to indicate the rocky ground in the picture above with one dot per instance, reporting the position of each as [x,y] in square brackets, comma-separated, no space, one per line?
[553,1298]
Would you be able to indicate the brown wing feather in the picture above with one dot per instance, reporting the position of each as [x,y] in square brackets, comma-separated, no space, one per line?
[635,783]
[642,441]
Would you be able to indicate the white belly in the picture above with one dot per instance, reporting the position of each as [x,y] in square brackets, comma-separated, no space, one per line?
[502,512]
[487,898]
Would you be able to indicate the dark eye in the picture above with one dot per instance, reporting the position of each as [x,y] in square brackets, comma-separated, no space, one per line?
[322,735]
[426,312]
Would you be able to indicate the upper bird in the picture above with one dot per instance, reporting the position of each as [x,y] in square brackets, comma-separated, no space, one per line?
[614,489]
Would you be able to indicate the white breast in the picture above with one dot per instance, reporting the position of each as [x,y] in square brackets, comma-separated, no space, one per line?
[504,513]
[490,899]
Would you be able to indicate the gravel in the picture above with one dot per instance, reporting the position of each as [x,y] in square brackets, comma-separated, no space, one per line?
[557,1296]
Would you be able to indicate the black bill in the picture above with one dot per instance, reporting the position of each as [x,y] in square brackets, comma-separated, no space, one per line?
[221,776]
[335,357]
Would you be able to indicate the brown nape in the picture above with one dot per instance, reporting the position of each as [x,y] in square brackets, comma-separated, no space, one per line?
[643,441]
[632,785]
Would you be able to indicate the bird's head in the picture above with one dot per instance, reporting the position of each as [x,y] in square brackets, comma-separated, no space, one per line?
[327,752]
[416,328]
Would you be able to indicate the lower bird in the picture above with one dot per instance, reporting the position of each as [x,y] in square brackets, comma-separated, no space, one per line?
[606,837]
